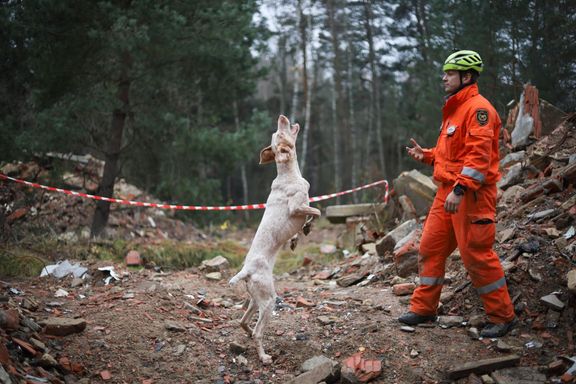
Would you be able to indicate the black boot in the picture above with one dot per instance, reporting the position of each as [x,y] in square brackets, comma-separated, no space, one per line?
[412,318]
[498,330]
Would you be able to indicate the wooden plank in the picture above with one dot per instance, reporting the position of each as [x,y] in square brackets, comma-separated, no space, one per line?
[482,367]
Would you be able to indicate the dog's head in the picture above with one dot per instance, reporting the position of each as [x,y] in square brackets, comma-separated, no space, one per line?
[283,147]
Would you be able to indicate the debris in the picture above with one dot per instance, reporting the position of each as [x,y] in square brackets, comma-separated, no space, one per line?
[552,301]
[133,258]
[111,274]
[63,269]
[61,326]
[419,188]
[524,375]
[481,367]
[363,370]
[337,214]
[216,264]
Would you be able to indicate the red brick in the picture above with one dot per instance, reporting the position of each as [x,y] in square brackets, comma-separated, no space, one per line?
[133,258]
[403,289]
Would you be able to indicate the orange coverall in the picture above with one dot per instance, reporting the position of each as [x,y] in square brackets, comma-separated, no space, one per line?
[467,154]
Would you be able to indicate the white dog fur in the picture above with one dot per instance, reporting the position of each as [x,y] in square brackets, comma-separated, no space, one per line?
[285,216]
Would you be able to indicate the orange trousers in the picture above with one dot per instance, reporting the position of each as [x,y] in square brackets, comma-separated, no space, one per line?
[472,230]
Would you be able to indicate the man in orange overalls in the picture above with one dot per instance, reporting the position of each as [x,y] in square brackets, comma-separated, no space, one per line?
[462,215]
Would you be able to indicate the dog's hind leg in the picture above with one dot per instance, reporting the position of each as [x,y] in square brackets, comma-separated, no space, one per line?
[264,314]
[245,322]
[265,300]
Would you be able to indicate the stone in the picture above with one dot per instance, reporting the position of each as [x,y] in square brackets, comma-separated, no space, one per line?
[320,373]
[48,361]
[552,301]
[9,319]
[174,326]
[419,188]
[216,264]
[450,321]
[4,377]
[520,375]
[214,276]
[403,289]
[388,242]
[237,348]
[62,326]
[571,277]
[473,333]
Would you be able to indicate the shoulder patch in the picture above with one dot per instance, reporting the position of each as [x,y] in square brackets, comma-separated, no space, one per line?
[482,116]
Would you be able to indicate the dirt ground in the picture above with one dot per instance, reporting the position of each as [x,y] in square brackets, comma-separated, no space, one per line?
[127,332]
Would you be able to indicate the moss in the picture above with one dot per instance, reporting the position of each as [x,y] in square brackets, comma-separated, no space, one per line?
[174,255]
[288,260]
[21,264]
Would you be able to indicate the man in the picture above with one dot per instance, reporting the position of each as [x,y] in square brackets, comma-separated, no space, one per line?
[462,215]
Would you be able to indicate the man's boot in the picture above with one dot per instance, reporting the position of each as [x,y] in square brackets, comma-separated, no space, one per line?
[412,318]
[498,330]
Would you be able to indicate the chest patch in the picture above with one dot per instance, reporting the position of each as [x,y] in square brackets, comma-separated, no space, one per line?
[482,116]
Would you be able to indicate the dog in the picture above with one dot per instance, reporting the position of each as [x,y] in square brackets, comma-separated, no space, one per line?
[287,213]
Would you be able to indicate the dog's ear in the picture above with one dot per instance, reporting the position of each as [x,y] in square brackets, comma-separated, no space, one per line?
[283,123]
[294,129]
[266,155]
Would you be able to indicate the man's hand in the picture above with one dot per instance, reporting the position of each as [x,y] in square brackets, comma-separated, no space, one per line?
[415,152]
[452,203]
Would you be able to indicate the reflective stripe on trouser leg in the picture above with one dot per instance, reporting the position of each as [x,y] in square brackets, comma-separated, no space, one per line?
[437,243]
[492,286]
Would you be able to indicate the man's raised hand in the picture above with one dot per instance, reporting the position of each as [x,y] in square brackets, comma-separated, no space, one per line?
[416,151]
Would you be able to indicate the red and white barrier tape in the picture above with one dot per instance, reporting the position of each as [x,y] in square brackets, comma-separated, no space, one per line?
[189,207]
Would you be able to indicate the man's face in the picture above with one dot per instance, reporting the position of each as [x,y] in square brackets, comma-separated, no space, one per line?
[451,81]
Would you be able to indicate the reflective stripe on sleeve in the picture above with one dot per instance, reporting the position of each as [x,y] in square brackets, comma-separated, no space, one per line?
[492,286]
[425,280]
[471,172]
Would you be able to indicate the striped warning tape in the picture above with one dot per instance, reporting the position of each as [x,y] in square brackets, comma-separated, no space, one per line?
[189,207]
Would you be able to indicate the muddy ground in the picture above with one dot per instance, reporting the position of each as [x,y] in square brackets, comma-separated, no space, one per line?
[128,323]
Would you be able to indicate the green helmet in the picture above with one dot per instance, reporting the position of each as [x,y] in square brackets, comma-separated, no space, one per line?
[463,61]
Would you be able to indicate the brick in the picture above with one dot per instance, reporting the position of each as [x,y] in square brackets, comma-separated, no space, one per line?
[61,326]
[403,289]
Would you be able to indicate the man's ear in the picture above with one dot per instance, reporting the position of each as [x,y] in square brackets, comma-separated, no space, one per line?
[266,155]
[466,77]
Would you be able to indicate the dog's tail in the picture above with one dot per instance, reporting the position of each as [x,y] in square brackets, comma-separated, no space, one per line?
[243,274]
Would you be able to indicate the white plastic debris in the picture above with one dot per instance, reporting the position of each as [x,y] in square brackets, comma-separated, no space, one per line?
[112,272]
[63,269]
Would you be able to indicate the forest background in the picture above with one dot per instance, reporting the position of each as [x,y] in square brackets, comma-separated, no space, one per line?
[178,97]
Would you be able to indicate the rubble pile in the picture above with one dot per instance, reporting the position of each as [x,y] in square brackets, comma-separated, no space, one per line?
[536,237]
[24,208]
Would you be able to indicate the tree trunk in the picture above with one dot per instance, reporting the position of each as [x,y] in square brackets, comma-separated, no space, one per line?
[305,34]
[375,82]
[282,75]
[352,116]
[243,166]
[114,148]
[337,97]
